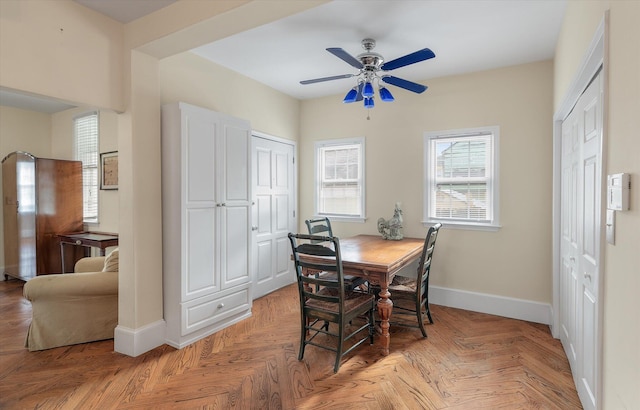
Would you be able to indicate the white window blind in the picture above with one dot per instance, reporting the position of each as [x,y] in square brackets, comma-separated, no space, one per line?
[461,170]
[86,150]
[340,178]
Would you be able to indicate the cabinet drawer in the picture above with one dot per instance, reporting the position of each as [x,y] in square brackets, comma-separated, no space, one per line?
[214,309]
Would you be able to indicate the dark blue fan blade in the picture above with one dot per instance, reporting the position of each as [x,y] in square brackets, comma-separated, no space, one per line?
[319,80]
[407,85]
[418,56]
[343,55]
[360,87]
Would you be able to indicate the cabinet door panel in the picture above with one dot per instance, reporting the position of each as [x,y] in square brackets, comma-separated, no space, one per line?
[236,243]
[236,172]
[200,262]
[199,158]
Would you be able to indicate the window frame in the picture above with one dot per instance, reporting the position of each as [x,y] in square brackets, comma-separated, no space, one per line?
[336,143]
[493,179]
[96,186]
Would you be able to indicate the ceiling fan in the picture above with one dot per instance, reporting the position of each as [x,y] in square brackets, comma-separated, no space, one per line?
[372,66]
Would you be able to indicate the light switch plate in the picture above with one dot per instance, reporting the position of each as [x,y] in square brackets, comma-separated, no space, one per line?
[611,226]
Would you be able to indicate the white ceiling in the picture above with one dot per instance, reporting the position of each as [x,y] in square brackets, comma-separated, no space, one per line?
[466,36]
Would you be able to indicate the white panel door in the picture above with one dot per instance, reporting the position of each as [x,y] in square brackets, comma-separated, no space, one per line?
[274,214]
[235,201]
[590,132]
[581,210]
[569,243]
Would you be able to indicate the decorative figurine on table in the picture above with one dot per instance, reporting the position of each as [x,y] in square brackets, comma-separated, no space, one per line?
[392,229]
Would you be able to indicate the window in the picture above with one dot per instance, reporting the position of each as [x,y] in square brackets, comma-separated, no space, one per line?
[86,150]
[340,179]
[461,184]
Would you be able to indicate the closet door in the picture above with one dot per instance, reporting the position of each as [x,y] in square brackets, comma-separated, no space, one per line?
[581,210]
[273,214]
[569,246]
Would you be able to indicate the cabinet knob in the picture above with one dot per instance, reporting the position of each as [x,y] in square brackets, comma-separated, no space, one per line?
[78,242]
[221,305]
[254,228]
[587,276]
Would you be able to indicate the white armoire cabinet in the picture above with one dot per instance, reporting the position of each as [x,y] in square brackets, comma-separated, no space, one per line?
[206,211]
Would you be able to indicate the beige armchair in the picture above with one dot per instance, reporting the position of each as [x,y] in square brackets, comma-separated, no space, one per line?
[73,308]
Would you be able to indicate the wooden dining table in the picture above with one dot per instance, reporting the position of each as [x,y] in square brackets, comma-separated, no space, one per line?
[379,260]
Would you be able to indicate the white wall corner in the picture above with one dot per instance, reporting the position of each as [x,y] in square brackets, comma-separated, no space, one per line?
[134,342]
[492,304]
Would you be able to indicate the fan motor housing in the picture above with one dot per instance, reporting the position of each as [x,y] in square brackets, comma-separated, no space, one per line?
[369,59]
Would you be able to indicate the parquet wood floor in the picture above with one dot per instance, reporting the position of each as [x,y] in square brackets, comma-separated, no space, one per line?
[469,361]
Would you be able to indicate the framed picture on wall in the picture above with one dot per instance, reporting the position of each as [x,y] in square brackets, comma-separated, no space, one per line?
[109,170]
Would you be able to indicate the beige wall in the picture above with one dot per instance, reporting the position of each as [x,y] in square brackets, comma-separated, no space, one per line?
[63,50]
[621,304]
[578,28]
[513,262]
[189,78]
[23,130]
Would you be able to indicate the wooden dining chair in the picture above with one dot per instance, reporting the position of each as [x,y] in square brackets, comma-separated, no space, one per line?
[322,226]
[410,296]
[324,299]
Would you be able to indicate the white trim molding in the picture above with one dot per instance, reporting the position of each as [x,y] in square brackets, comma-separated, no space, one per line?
[134,342]
[513,308]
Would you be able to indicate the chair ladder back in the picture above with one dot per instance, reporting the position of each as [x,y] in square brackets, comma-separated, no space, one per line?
[319,226]
[328,261]
[424,267]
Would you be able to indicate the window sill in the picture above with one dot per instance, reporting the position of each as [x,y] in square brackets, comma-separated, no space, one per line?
[463,225]
[339,218]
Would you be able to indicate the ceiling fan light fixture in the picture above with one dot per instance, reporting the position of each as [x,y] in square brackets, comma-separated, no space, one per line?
[367,91]
[385,95]
[371,65]
[351,96]
[368,102]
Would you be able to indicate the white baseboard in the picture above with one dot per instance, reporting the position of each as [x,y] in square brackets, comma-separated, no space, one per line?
[134,342]
[204,332]
[492,304]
